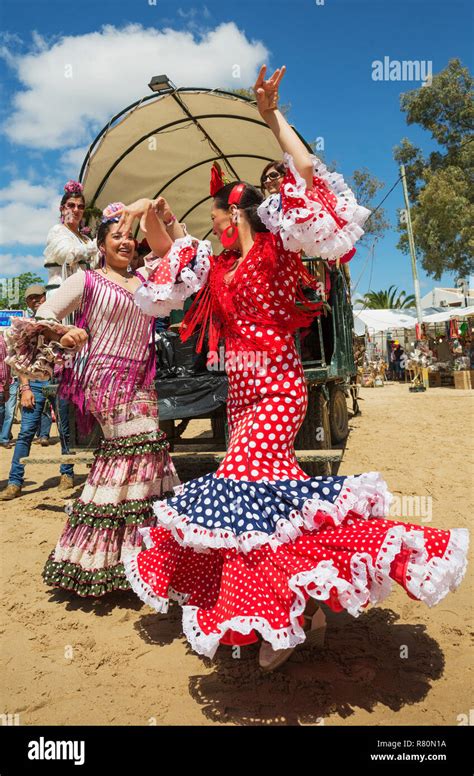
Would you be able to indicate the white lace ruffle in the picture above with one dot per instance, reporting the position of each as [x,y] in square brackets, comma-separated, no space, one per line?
[145,592]
[371,583]
[309,226]
[160,300]
[431,580]
[367,494]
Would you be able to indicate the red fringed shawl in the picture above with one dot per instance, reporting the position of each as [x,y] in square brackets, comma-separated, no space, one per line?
[261,304]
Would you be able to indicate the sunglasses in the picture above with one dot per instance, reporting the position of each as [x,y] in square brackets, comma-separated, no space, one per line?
[272,176]
[73,206]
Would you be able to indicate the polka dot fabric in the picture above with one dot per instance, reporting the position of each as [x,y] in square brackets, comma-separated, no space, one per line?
[242,549]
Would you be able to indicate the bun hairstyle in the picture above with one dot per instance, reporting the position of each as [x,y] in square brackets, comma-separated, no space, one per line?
[72,189]
[278,165]
[249,201]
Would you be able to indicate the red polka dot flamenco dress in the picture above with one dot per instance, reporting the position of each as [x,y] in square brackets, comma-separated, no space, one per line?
[242,549]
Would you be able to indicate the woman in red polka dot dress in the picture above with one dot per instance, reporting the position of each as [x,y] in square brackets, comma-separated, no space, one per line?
[247,550]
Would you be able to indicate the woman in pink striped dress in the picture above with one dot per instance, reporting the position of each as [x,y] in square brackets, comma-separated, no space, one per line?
[111,380]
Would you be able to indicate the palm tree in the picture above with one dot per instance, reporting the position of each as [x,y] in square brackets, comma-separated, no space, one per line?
[388,300]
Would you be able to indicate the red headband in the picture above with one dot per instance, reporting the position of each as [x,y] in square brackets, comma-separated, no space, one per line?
[236,194]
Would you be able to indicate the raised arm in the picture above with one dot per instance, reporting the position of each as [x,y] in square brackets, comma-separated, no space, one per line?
[156,221]
[266,94]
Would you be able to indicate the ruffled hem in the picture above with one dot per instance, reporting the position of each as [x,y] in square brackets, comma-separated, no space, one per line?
[305,223]
[366,494]
[429,581]
[110,516]
[28,351]
[145,592]
[92,583]
[370,584]
[159,299]
[131,446]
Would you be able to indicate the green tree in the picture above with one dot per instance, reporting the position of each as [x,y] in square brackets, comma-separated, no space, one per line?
[393,299]
[440,186]
[24,280]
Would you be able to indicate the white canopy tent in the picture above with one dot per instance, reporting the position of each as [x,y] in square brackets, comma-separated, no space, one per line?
[387,320]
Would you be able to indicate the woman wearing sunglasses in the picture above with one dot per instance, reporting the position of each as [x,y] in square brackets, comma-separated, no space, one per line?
[67,247]
[271,178]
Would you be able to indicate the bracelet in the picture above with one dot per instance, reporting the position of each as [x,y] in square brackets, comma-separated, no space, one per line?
[171,221]
[25,387]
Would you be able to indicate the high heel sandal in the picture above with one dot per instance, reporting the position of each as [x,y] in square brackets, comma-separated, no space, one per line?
[269,658]
[315,627]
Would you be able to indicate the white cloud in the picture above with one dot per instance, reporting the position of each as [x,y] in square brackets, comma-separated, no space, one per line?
[71,161]
[74,85]
[13,265]
[28,212]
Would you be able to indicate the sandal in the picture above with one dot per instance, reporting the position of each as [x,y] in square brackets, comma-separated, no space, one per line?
[269,658]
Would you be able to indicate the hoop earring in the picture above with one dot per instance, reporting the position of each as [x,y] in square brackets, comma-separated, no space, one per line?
[102,262]
[229,236]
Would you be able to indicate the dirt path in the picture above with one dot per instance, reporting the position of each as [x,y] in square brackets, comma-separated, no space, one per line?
[66,661]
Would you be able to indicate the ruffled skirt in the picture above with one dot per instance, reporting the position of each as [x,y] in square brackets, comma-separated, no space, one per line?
[132,468]
[338,551]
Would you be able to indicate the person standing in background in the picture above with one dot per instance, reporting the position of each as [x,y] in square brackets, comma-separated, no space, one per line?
[67,247]
[32,405]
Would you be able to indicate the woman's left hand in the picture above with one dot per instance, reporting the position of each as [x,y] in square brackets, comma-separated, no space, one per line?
[266,91]
[137,209]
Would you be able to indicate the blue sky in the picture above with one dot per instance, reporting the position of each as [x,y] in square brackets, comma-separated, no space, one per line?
[328,48]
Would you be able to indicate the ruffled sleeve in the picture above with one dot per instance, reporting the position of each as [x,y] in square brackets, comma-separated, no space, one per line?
[171,280]
[324,221]
[29,351]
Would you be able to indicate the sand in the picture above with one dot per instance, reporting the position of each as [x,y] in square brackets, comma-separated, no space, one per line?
[69,661]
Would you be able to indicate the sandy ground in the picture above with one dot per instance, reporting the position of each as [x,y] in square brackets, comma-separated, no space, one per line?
[69,661]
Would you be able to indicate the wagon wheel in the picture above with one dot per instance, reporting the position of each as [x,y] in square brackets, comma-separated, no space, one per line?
[218,425]
[338,415]
[315,432]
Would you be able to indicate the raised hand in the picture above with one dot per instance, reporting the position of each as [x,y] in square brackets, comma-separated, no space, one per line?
[162,209]
[266,91]
[131,212]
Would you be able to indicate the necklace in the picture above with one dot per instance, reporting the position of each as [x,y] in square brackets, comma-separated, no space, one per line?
[122,277]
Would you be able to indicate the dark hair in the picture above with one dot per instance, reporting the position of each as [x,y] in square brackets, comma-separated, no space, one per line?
[71,195]
[103,231]
[250,200]
[278,165]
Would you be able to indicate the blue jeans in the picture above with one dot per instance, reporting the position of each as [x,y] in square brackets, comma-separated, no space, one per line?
[30,422]
[45,424]
[6,426]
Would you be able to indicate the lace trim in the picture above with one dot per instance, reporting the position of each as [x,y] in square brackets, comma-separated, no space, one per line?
[366,494]
[431,580]
[305,224]
[353,596]
[159,300]
[145,592]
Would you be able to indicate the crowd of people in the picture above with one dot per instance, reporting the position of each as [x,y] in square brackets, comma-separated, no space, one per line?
[252,550]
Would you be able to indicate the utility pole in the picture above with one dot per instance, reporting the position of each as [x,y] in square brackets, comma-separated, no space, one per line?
[411,243]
